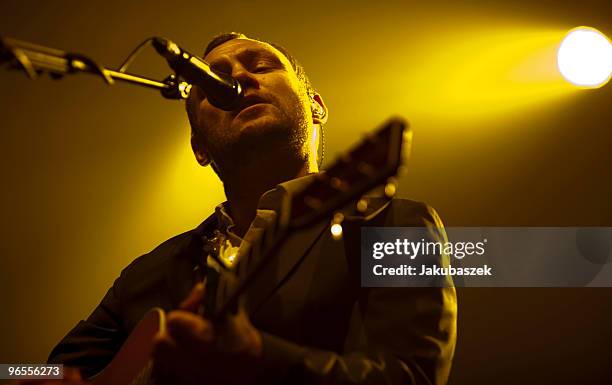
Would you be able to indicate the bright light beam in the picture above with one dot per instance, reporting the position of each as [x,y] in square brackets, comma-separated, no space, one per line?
[585,58]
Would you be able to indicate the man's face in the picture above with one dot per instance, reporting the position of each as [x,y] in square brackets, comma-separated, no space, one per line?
[275,114]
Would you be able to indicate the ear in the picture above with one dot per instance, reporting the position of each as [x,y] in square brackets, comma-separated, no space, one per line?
[199,150]
[318,108]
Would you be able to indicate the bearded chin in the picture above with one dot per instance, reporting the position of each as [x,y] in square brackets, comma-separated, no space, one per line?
[283,137]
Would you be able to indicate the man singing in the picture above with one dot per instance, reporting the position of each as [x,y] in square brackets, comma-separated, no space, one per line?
[308,321]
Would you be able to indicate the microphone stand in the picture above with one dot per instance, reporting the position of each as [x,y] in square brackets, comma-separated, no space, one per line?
[35,59]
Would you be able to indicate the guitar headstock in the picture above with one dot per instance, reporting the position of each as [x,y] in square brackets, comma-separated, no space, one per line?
[363,168]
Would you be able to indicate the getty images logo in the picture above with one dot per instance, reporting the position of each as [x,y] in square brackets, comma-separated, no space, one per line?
[413,249]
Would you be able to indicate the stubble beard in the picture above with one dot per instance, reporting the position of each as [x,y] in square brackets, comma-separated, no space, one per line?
[280,141]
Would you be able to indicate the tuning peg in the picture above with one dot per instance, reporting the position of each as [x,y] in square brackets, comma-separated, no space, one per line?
[336,226]
[402,170]
[366,169]
[362,205]
[391,187]
[407,134]
[337,184]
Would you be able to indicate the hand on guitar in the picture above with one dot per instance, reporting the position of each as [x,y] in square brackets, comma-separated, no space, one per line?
[194,351]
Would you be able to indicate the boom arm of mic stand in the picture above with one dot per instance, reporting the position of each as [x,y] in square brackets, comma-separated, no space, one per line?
[35,59]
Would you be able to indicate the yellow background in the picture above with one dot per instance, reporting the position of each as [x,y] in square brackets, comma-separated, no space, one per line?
[94,176]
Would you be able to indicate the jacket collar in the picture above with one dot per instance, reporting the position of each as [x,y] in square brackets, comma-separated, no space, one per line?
[272,205]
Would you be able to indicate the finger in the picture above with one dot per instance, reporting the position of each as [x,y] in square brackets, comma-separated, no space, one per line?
[163,346]
[190,330]
[165,354]
[72,374]
[194,299]
[239,335]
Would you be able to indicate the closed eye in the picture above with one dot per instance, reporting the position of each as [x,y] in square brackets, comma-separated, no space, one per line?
[262,69]
[263,65]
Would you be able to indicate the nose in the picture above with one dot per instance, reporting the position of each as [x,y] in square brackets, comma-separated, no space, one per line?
[244,77]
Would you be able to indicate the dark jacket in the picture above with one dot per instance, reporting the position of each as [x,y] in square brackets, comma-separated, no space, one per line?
[318,325]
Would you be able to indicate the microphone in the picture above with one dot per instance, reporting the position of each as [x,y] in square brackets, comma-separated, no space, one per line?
[222,91]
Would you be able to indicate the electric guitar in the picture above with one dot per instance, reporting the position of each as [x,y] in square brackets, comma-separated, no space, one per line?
[371,164]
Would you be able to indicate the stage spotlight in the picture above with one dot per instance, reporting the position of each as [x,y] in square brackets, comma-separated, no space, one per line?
[585,58]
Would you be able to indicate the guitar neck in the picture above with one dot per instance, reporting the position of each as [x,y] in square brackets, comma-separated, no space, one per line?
[368,165]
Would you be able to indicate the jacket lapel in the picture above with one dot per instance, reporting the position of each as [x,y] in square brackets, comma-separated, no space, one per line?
[273,207]
[180,275]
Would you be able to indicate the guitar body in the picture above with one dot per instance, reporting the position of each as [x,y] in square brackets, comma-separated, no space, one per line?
[132,360]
